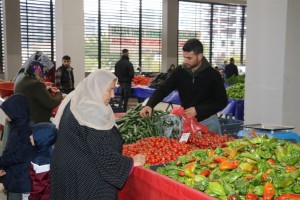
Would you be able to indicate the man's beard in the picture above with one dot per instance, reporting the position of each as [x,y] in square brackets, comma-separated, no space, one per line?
[195,65]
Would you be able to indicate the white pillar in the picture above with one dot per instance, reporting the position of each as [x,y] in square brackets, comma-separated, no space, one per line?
[169,34]
[273,46]
[69,21]
[12,38]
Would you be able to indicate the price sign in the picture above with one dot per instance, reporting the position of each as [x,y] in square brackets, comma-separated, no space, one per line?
[184,137]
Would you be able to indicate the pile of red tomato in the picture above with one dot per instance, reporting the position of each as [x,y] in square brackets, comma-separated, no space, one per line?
[141,80]
[158,150]
[209,140]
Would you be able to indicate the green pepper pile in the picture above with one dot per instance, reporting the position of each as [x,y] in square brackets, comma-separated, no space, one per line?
[235,79]
[133,127]
[255,168]
[236,91]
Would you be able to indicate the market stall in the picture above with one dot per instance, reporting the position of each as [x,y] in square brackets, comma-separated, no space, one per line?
[149,185]
[235,107]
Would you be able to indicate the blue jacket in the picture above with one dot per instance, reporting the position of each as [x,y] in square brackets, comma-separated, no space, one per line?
[18,151]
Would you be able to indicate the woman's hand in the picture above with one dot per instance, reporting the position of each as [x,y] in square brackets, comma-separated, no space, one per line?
[139,160]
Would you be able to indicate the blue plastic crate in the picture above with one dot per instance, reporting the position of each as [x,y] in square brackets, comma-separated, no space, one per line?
[230,126]
[281,135]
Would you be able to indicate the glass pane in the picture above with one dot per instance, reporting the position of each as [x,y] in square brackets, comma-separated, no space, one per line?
[37,28]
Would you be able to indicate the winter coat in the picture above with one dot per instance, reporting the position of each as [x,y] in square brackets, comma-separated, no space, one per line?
[18,151]
[44,136]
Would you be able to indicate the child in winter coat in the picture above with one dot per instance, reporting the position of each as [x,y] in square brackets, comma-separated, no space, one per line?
[43,137]
[18,151]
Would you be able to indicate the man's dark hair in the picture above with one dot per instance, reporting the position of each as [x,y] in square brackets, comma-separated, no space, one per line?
[125,51]
[66,57]
[193,45]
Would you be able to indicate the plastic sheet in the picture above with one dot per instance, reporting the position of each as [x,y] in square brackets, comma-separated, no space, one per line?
[144,184]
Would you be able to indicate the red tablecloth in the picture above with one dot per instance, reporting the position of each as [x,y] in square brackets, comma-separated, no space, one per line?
[145,184]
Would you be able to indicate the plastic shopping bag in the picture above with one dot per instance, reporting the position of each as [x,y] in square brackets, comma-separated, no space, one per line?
[190,124]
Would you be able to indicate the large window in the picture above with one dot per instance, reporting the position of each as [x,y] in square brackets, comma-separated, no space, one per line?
[112,25]
[221,29]
[37,27]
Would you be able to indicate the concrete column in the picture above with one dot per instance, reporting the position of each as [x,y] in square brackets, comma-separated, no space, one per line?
[169,33]
[69,21]
[12,38]
[273,46]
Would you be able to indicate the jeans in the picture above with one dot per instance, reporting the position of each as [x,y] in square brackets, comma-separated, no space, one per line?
[125,90]
[213,124]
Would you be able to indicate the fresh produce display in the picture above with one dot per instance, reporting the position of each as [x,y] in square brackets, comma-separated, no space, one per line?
[209,140]
[141,80]
[133,127]
[236,91]
[158,80]
[158,150]
[235,79]
[258,168]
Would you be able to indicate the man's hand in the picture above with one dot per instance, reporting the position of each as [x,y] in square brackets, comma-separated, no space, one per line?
[191,112]
[146,111]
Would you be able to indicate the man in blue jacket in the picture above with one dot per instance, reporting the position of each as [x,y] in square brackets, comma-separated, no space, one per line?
[200,87]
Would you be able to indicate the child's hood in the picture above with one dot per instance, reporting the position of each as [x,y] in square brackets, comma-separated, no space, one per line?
[44,135]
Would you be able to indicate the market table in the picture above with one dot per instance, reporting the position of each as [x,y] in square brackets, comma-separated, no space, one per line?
[146,184]
[144,92]
[234,107]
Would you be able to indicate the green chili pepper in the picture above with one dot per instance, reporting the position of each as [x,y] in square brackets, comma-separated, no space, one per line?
[216,188]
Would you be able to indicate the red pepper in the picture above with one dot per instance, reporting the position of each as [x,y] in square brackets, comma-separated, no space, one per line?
[254,133]
[191,167]
[229,164]
[248,177]
[210,152]
[220,159]
[271,161]
[269,191]
[264,177]
[288,197]
[181,173]
[290,169]
[205,172]
[251,196]
[232,153]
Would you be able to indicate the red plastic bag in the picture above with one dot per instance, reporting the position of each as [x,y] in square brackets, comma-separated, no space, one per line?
[190,124]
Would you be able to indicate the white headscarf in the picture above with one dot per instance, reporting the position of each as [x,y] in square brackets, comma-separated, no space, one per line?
[87,103]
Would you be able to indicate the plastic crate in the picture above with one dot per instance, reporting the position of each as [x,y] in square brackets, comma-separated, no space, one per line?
[230,126]
[287,135]
[114,102]
[6,89]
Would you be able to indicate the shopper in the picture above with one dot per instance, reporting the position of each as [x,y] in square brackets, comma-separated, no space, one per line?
[33,87]
[87,161]
[200,87]
[43,137]
[125,72]
[64,77]
[37,56]
[18,151]
[231,69]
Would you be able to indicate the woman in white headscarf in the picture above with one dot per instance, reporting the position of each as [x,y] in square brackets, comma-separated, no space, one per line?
[87,162]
